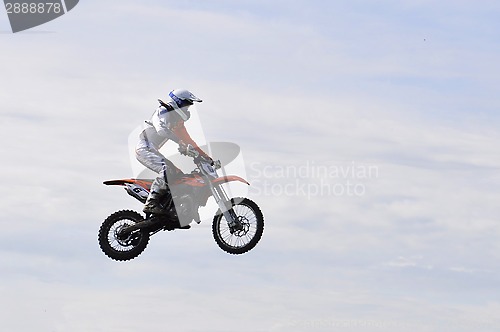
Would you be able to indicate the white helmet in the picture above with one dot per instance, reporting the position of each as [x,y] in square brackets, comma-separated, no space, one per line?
[182,99]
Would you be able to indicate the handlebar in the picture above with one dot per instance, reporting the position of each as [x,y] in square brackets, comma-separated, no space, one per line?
[190,151]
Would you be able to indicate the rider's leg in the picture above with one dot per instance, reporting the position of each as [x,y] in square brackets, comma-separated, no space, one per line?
[155,161]
[151,158]
[160,191]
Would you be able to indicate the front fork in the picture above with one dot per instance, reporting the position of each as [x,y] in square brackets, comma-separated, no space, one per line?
[225,206]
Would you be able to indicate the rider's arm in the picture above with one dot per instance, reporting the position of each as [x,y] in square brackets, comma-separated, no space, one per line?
[181,132]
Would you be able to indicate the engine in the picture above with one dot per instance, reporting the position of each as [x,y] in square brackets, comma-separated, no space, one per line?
[186,208]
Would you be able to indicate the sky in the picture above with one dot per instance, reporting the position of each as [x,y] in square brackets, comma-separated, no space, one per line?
[368,132]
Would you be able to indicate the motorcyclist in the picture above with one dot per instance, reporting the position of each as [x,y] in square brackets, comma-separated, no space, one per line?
[166,123]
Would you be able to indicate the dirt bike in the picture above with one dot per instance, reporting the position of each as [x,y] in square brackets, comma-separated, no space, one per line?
[237,225]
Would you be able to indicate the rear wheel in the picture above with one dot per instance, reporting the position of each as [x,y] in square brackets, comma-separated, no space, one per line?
[238,240]
[119,245]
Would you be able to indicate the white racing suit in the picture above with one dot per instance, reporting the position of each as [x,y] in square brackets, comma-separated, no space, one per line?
[164,124]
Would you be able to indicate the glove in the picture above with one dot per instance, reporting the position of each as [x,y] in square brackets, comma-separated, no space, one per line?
[204,158]
[182,148]
[188,150]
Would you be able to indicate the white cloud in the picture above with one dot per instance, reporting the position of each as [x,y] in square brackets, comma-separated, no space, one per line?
[288,91]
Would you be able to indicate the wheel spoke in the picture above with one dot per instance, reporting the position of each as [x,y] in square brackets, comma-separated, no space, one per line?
[245,234]
[122,246]
[116,243]
[243,237]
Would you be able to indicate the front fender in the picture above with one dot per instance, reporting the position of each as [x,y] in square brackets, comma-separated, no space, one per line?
[229,178]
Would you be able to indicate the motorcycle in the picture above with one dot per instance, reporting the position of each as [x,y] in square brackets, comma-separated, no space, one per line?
[237,225]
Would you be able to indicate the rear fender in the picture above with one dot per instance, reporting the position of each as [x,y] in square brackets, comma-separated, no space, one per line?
[136,188]
[146,184]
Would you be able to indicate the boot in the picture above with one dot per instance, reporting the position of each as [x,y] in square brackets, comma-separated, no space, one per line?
[157,193]
[153,204]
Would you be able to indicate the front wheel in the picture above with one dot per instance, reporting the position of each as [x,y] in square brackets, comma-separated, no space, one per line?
[119,245]
[238,240]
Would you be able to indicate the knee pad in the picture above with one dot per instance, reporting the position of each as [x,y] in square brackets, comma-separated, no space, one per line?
[159,184]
